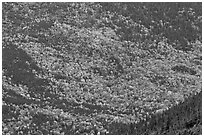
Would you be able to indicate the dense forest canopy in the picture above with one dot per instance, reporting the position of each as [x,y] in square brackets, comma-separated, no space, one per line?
[101,68]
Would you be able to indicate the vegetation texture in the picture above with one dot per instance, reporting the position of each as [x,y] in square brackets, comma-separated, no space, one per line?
[101,68]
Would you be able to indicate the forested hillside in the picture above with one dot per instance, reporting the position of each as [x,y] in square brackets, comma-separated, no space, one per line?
[101,68]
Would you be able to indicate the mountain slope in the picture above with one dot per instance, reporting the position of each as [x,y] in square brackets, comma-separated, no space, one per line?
[83,68]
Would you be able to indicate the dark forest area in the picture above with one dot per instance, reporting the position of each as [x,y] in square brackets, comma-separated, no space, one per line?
[97,68]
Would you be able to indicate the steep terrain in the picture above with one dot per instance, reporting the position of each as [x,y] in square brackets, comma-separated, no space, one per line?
[101,68]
